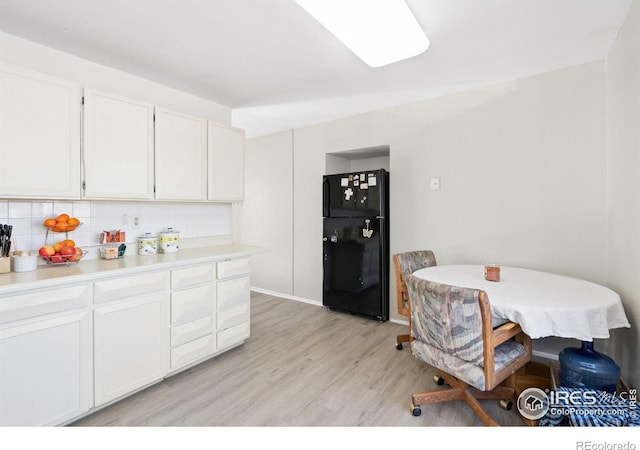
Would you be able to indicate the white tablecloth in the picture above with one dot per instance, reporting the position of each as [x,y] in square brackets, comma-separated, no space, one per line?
[543,304]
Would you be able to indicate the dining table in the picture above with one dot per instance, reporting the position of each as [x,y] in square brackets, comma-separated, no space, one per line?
[542,303]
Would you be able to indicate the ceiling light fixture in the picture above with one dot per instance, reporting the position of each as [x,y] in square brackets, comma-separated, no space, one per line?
[380,32]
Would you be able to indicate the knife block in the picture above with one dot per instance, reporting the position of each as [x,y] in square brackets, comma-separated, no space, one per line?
[5,264]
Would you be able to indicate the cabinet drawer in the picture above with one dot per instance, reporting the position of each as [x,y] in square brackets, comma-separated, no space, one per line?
[192,351]
[192,276]
[232,293]
[233,335]
[233,267]
[233,316]
[130,286]
[43,301]
[192,304]
[181,334]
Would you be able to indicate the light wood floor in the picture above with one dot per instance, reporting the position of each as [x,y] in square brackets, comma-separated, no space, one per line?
[302,366]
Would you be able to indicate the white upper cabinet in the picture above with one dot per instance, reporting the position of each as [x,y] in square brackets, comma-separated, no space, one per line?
[226,163]
[118,147]
[39,135]
[180,156]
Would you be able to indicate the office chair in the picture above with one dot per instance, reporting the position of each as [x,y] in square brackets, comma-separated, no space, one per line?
[452,331]
[407,263]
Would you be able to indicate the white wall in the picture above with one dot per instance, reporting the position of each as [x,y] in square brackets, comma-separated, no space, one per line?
[20,52]
[623,230]
[267,212]
[522,169]
[522,166]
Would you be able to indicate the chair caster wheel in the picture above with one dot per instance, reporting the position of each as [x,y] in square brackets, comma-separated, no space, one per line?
[415,410]
[399,345]
[438,380]
[506,404]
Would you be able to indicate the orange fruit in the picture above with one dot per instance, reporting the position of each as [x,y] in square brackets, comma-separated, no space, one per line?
[63,218]
[50,222]
[73,222]
[58,246]
[60,227]
[69,243]
[70,228]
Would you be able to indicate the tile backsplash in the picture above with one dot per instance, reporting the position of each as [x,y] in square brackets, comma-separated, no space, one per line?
[191,219]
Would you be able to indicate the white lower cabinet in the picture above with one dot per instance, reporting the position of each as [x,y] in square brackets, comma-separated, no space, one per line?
[233,293]
[131,338]
[68,350]
[45,370]
[193,312]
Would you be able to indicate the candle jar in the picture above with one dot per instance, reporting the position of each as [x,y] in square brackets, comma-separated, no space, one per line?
[492,272]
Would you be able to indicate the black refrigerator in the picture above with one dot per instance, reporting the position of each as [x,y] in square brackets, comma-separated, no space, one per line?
[356,243]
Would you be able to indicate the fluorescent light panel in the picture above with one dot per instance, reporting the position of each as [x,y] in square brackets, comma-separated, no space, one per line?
[380,32]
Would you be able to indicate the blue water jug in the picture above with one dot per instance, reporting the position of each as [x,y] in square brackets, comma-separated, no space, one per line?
[586,368]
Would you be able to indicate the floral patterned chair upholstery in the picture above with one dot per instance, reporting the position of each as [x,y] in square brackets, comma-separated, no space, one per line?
[407,263]
[452,331]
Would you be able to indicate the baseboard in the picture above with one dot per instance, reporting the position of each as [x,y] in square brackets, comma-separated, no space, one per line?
[399,321]
[287,296]
[545,355]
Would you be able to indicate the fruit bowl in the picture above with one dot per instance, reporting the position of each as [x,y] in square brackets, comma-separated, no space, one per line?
[63,259]
[62,227]
[61,224]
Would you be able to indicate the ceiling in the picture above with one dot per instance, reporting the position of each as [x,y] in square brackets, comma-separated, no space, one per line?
[277,68]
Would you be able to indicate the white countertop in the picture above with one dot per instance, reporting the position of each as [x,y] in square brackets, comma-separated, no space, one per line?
[92,269]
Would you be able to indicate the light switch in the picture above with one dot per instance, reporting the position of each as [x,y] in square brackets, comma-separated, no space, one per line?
[435,184]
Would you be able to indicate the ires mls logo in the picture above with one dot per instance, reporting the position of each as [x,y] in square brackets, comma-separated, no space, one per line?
[533,403]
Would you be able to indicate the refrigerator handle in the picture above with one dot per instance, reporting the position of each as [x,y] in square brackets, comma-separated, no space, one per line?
[325,197]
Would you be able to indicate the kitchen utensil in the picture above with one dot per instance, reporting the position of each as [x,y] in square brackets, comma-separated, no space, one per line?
[7,244]
[5,239]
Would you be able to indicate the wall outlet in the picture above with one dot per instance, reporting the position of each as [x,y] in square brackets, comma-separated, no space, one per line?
[435,184]
[136,222]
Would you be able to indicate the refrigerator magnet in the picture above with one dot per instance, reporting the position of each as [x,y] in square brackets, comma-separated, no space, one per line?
[344,182]
[348,193]
[356,183]
[364,186]
[372,180]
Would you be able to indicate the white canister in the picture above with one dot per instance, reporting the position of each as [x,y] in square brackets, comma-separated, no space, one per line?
[25,262]
[147,244]
[169,240]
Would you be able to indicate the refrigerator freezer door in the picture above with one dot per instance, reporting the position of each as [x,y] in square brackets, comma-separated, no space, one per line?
[355,266]
[352,195]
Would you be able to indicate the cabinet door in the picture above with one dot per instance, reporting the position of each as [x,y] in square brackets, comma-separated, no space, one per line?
[46,371]
[39,135]
[131,345]
[118,147]
[226,163]
[180,156]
